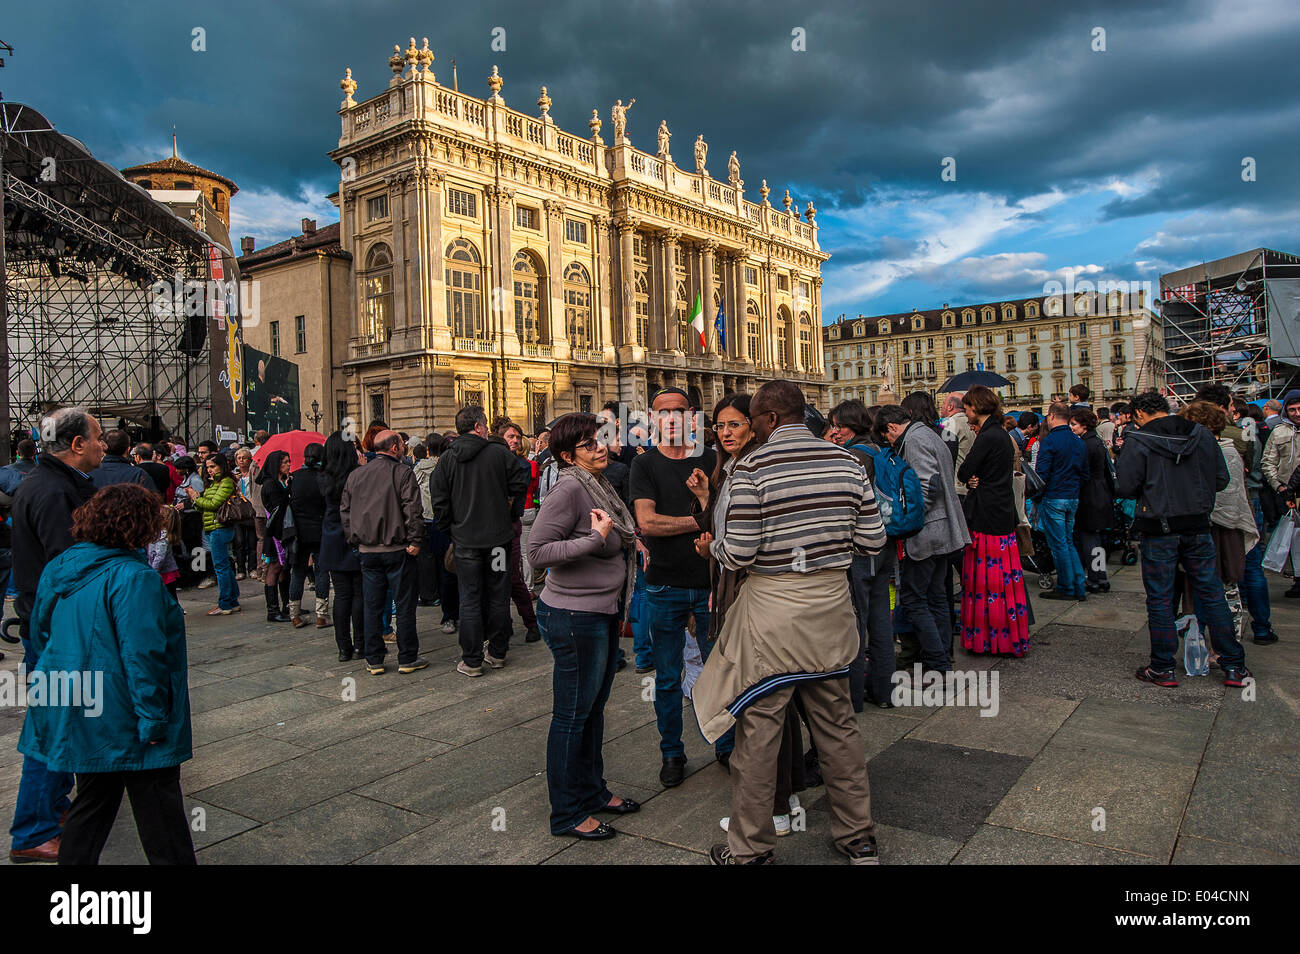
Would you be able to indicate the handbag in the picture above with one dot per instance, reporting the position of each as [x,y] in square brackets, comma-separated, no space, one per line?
[236,509]
[1034,484]
[1279,544]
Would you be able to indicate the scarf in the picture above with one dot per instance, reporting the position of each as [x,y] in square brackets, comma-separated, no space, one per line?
[606,498]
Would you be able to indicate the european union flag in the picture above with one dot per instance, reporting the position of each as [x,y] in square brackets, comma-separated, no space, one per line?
[720,325]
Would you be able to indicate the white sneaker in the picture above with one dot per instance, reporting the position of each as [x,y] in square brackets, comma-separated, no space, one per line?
[207,583]
[782,823]
[493,662]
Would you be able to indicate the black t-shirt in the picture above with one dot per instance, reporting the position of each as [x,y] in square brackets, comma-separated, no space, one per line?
[673,560]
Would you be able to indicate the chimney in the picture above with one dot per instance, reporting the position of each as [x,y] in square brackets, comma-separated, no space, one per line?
[246,245]
[945,304]
[308,226]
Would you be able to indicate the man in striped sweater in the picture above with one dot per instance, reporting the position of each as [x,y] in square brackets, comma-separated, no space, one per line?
[800,508]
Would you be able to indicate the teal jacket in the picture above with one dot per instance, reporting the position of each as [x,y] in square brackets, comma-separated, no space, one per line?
[104,612]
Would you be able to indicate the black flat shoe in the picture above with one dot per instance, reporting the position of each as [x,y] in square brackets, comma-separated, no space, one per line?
[672,772]
[345,656]
[599,833]
[626,807]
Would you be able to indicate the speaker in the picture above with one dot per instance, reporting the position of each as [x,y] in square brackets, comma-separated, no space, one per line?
[194,336]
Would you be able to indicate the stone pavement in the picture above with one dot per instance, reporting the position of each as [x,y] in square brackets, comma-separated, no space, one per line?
[435,767]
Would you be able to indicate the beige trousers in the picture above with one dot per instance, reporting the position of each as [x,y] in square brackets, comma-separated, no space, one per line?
[834,729]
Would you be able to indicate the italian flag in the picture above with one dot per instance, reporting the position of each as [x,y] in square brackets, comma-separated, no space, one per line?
[697,320]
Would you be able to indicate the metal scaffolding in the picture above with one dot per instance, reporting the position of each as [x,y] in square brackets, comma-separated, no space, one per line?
[1233,322]
[82,247]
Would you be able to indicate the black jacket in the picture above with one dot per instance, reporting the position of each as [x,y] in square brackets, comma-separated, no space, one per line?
[990,507]
[470,490]
[42,511]
[1173,468]
[1097,496]
[307,501]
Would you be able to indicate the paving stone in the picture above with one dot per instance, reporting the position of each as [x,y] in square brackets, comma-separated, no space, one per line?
[1260,734]
[1203,851]
[1097,613]
[1022,725]
[332,832]
[938,789]
[634,758]
[1143,799]
[457,776]
[242,717]
[625,849]
[233,757]
[992,845]
[344,719]
[209,825]
[280,789]
[486,709]
[1244,806]
[1130,728]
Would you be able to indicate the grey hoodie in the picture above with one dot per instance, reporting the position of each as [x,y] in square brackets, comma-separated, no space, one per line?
[423,471]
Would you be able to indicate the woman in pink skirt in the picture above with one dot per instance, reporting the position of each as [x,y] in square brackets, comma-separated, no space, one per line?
[994,608]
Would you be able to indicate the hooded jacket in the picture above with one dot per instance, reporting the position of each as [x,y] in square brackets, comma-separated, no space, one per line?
[1174,468]
[104,611]
[1282,452]
[423,471]
[42,516]
[471,491]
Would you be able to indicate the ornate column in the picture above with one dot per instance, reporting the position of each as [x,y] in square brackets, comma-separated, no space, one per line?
[349,238]
[602,304]
[777,359]
[500,296]
[437,321]
[819,349]
[668,318]
[626,225]
[557,334]
[396,213]
[706,295]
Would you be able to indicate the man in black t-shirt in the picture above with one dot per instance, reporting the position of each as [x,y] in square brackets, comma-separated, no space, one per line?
[677,578]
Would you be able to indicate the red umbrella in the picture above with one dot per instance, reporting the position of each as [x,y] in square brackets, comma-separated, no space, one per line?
[292,441]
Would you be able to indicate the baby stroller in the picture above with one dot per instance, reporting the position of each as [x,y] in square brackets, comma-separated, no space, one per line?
[1119,535]
[1041,562]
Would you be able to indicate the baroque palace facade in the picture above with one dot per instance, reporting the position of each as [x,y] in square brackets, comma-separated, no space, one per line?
[1111,342]
[499,260]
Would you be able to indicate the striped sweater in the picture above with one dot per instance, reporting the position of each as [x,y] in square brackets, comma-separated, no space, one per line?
[798,504]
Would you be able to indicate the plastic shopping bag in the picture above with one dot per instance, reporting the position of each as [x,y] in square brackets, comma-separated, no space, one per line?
[1279,545]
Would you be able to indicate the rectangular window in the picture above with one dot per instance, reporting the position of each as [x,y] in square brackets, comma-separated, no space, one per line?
[949,342]
[340,409]
[377,208]
[462,203]
[970,340]
[638,247]
[805,290]
[1011,362]
[584,403]
[300,334]
[275,339]
[931,366]
[1117,352]
[1116,326]
[782,282]
[575,231]
[1083,329]
[377,406]
[751,275]
[525,217]
[1033,334]
[1083,356]
[951,366]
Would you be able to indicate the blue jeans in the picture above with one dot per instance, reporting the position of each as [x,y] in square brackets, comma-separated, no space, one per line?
[1254,586]
[670,607]
[381,574]
[641,643]
[227,588]
[1058,525]
[583,645]
[1161,555]
[871,670]
[42,794]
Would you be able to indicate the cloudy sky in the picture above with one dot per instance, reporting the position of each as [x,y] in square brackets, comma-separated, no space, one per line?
[1119,163]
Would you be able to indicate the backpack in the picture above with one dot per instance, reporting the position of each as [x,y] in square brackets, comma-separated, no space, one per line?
[546,479]
[898,494]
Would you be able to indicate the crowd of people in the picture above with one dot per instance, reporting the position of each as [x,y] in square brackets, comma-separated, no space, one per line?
[711,542]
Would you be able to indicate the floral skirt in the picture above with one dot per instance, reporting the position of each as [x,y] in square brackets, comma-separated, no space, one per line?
[994,609]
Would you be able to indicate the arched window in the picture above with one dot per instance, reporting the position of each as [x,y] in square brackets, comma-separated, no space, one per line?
[529,308]
[641,296]
[752,319]
[464,276]
[1009,313]
[377,319]
[577,307]
[683,323]
[835,373]
[1031,310]
[805,340]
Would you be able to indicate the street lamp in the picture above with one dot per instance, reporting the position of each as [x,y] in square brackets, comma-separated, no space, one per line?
[315,415]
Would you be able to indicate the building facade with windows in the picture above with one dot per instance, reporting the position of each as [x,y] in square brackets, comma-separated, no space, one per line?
[1111,342]
[304,299]
[502,261]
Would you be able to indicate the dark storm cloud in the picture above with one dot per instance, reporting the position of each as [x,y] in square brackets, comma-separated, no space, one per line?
[885,90]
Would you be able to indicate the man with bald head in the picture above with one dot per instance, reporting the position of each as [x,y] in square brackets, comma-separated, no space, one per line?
[799,509]
[383,518]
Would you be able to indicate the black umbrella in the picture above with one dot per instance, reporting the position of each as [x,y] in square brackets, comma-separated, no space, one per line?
[968,379]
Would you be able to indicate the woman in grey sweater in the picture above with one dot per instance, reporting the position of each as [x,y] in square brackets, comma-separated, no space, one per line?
[584,538]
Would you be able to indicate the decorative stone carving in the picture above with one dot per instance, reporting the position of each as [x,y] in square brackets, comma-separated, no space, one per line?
[396,61]
[618,115]
[701,153]
[594,125]
[349,86]
[810,213]
[664,137]
[733,170]
[495,82]
[544,104]
[764,192]
[787,200]
[426,57]
[553,207]
[412,56]
[626,223]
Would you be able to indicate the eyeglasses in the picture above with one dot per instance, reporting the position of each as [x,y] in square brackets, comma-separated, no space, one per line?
[588,445]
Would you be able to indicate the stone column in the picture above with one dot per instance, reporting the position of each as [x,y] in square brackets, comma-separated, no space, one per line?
[500,295]
[602,304]
[668,319]
[819,350]
[557,335]
[626,230]
[778,360]
[706,296]
[437,319]
[396,213]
